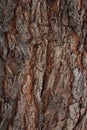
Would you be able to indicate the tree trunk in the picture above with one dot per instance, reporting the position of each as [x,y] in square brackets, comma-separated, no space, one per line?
[43,65]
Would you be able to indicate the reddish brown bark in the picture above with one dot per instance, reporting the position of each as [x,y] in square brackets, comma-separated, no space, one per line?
[43,65]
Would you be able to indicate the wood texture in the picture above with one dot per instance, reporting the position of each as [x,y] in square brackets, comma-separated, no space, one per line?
[43,64]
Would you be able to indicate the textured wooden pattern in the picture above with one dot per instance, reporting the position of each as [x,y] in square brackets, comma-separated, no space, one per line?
[43,64]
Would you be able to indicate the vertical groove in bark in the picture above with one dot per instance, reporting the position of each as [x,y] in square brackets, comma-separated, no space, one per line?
[43,65]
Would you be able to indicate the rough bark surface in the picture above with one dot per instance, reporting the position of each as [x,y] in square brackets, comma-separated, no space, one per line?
[43,64]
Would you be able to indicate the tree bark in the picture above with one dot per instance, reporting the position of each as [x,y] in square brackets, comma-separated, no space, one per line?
[43,65]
